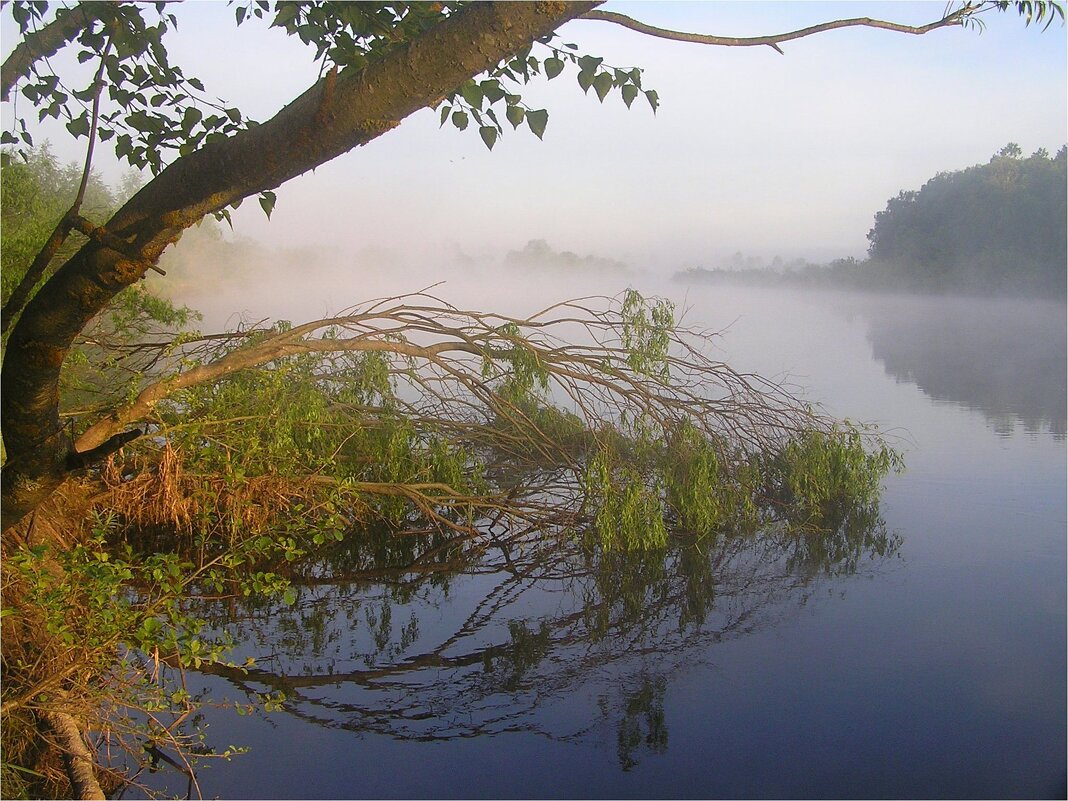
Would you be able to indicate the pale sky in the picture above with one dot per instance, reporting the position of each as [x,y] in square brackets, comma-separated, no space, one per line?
[769,154]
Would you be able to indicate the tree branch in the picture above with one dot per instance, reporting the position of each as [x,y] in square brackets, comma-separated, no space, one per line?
[36,270]
[774,40]
[451,344]
[69,22]
[79,460]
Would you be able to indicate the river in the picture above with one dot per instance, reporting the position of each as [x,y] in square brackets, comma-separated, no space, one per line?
[930,661]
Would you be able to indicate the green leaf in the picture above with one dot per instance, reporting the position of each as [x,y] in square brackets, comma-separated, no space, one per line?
[140,121]
[553,67]
[629,92]
[285,14]
[472,94]
[515,115]
[653,98]
[602,85]
[585,80]
[489,135]
[290,597]
[537,121]
[445,109]
[267,200]
[191,117]
[491,90]
[459,119]
[589,63]
[196,84]
[79,126]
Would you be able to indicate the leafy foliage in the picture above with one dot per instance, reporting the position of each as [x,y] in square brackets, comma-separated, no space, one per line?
[482,99]
[88,635]
[103,367]
[998,226]
[34,195]
[1031,11]
[153,111]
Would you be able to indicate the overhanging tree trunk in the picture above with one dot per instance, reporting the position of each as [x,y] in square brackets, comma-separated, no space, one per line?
[330,118]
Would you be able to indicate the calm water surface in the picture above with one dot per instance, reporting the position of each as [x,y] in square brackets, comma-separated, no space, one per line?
[925,659]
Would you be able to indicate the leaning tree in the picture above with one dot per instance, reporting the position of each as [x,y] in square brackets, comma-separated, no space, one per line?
[380,63]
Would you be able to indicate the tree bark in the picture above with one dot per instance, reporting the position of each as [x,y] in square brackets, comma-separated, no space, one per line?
[315,128]
[76,757]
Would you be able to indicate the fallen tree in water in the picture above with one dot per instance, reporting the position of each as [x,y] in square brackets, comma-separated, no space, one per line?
[600,423]
[600,410]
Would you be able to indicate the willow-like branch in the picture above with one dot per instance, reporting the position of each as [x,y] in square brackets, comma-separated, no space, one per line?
[774,40]
[450,347]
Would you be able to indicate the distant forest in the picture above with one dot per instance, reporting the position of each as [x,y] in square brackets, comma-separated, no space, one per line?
[993,229]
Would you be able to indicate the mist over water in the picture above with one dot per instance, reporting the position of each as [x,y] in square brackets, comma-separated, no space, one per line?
[1003,357]
[222,277]
[934,670]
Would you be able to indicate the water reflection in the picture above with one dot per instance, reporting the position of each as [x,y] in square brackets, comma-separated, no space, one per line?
[1004,358]
[435,638]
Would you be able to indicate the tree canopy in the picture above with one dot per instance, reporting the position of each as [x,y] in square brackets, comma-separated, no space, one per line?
[995,227]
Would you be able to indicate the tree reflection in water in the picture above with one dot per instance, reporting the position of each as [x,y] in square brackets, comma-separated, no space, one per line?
[1003,357]
[370,645]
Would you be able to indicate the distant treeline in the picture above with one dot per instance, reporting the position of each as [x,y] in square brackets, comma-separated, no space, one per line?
[539,254]
[995,228]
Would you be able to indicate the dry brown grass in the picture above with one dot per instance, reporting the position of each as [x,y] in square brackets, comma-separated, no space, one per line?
[155,490]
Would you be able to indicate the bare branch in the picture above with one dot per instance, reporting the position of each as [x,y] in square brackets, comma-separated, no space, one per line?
[774,40]
[83,459]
